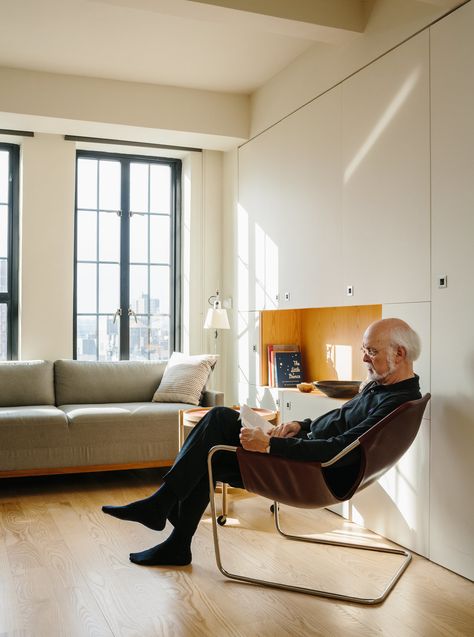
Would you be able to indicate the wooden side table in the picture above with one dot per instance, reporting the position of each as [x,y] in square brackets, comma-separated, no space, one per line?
[189,418]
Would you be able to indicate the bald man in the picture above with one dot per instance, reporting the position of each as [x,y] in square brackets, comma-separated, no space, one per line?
[389,348]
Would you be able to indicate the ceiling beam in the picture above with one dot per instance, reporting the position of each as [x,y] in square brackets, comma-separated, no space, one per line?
[349,15]
[443,4]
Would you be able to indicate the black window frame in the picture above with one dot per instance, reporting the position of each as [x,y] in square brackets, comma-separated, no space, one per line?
[176,243]
[10,298]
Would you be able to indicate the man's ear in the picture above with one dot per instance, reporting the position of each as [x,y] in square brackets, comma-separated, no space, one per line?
[401,352]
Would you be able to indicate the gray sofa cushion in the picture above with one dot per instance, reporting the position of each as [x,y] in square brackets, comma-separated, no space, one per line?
[27,431]
[79,382]
[125,432]
[26,383]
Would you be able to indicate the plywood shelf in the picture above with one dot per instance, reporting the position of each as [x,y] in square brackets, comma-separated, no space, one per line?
[329,339]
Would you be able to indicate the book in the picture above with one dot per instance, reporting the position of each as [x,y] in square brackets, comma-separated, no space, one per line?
[271,349]
[288,368]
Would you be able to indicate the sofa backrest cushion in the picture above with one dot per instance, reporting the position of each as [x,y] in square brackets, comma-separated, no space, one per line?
[26,383]
[79,382]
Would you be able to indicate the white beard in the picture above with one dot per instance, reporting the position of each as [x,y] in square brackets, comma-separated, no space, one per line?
[373,375]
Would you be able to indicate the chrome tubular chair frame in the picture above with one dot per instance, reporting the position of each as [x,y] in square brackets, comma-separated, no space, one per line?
[310,591]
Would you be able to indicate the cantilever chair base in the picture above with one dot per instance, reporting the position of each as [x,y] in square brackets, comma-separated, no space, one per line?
[300,589]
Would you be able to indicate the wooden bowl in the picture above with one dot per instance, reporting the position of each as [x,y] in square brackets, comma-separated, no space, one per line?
[338,388]
[305,387]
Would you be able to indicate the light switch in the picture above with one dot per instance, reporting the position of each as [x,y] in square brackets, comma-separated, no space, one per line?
[442,280]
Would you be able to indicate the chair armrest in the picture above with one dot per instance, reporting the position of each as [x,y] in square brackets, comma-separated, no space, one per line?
[211,398]
[341,454]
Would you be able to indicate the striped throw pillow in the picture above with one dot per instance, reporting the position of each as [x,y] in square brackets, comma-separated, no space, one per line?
[184,378]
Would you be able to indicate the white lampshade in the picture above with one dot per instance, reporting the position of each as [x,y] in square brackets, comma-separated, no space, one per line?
[216,319]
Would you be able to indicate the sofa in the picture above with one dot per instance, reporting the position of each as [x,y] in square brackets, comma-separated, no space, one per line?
[72,416]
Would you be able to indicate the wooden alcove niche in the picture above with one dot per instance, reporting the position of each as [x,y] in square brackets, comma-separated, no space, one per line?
[322,334]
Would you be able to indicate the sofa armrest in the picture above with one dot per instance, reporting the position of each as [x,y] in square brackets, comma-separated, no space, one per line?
[212,398]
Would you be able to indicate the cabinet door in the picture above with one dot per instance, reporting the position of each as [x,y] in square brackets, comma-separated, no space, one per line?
[289,213]
[248,350]
[452,373]
[311,248]
[259,216]
[295,405]
[386,179]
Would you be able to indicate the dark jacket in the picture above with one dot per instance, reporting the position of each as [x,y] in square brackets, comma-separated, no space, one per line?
[322,439]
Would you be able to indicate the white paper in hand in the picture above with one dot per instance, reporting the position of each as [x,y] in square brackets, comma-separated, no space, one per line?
[253,420]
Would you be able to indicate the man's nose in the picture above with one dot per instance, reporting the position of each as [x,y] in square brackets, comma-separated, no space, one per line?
[366,358]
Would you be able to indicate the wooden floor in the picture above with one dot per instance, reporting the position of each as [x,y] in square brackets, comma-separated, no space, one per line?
[64,571]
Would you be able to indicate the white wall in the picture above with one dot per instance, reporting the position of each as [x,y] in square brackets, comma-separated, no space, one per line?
[229,244]
[46,247]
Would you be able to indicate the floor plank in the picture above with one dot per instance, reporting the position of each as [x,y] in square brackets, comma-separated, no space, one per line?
[65,571]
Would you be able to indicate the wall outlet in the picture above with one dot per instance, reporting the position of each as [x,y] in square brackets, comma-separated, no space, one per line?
[350,290]
[287,296]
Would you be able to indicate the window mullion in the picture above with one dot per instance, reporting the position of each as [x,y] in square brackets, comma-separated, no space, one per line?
[125,260]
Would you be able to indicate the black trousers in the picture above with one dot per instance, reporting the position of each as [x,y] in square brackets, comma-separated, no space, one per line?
[188,477]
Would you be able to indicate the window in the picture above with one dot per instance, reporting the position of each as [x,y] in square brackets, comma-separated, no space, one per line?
[9,193]
[127,249]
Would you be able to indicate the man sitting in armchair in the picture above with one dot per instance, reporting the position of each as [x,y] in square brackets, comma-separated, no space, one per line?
[389,348]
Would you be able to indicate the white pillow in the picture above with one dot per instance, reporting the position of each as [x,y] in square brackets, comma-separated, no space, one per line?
[184,378]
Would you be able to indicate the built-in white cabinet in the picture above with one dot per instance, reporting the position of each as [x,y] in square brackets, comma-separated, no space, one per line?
[289,212]
[386,178]
[295,405]
[452,405]
[291,403]
[400,232]
[337,194]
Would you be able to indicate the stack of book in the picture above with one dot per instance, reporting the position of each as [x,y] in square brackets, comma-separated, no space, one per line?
[284,365]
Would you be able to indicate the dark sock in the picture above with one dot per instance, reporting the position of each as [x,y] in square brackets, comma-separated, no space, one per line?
[173,515]
[175,551]
[151,512]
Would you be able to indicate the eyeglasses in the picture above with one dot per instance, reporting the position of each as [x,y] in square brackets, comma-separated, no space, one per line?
[371,352]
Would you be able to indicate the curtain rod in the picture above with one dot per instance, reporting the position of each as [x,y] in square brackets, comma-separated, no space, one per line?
[22,133]
[122,142]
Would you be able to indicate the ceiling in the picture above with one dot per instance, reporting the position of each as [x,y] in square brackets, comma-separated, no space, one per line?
[219,45]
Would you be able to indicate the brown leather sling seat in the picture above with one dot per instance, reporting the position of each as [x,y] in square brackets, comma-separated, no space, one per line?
[314,484]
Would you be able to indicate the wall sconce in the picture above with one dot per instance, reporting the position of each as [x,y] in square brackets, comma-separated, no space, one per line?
[216,318]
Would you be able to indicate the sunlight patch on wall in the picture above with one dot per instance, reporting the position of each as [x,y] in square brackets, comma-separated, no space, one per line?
[339,358]
[260,269]
[242,257]
[266,270]
[400,491]
[390,112]
[243,345]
